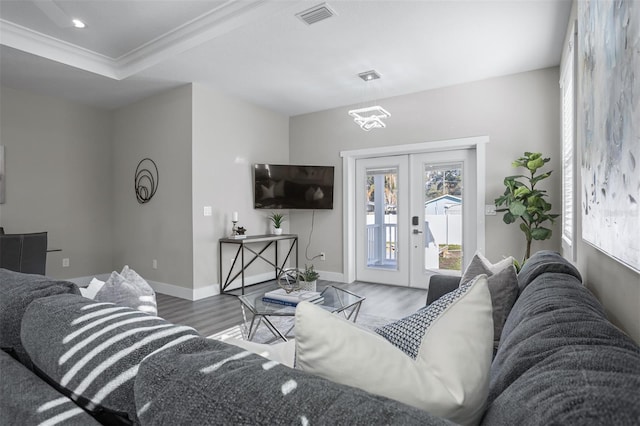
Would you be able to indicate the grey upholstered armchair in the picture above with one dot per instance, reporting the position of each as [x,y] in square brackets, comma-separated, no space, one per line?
[25,253]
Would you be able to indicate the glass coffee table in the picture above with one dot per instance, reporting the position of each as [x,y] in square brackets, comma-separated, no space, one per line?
[336,300]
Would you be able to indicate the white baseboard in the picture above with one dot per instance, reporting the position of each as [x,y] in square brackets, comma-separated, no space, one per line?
[206,291]
[172,290]
[332,276]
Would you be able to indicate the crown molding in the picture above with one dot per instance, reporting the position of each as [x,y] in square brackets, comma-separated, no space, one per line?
[218,21]
[36,43]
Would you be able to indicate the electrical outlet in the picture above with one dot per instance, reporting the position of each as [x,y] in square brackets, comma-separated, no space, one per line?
[155,263]
[65,262]
[207,210]
[322,256]
[490,210]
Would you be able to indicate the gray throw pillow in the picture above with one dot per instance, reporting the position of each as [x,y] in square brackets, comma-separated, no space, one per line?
[481,265]
[128,289]
[503,286]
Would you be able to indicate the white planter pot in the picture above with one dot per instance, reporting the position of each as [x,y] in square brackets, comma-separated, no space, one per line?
[308,285]
[277,231]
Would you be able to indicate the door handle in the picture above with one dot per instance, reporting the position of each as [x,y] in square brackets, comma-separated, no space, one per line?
[417,231]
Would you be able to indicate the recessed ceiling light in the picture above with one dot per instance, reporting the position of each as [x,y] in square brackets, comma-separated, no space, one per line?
[78,23]
[369,75]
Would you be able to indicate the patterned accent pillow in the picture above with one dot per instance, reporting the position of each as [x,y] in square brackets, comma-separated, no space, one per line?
[407,333]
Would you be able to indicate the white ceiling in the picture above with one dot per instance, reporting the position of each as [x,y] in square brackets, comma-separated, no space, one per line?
[260,51]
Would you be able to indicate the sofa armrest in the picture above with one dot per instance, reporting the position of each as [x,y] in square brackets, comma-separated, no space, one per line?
[439,285]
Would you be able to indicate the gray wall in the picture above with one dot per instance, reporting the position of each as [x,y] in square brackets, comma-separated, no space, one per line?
[159,128]
[229,135]
[59,168]
[518,112]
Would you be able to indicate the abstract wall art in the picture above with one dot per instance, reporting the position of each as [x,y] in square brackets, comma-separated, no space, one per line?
[609,120]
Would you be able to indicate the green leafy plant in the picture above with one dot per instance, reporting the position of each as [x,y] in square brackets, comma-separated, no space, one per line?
[525,203]
[277,219]
[309,274]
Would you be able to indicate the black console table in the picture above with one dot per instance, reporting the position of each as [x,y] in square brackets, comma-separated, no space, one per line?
[261,243]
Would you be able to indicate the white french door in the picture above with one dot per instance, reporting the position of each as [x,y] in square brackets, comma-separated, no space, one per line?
[444,201]
[382,197]
[415,216]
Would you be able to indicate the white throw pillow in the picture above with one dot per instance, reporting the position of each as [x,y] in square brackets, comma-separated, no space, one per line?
[92,289]
[449,375]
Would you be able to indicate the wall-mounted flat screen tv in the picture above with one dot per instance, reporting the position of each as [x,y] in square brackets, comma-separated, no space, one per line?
[279,186]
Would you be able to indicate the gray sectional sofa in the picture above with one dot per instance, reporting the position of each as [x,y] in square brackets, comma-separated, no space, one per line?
[70,360]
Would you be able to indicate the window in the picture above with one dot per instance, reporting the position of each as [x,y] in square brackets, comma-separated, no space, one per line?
[569,169]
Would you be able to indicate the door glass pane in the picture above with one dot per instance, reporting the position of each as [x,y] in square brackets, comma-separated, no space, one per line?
[443,216]
[381,218]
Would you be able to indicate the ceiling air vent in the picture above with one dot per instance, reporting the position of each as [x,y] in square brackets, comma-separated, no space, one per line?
[316,14]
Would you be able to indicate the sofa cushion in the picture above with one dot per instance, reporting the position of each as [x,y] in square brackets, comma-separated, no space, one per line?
[128,289]
[542,262]
[436,359]
[561,361]
[92,350]
[17,291]
[207,382]
[27,400]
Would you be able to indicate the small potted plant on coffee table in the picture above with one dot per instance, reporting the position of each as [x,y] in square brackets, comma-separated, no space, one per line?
[308,278]
[277,219]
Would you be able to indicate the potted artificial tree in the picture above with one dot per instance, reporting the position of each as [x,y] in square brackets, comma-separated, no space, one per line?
[308,278]
[525,203]
[277,219]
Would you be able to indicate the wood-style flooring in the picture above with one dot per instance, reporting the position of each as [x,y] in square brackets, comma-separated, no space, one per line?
[218,313]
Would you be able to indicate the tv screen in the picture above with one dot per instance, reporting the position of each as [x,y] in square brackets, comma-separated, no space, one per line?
[279,186]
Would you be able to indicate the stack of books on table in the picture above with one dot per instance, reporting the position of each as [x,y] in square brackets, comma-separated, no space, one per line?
[281,297]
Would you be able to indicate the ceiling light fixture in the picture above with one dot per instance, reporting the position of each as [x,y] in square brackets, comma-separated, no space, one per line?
[369,117]
[369,75]
[78,23]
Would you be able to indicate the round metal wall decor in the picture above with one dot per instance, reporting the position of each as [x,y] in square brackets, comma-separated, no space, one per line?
[146,180]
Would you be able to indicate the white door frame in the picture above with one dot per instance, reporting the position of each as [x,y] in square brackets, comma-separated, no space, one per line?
[349,188]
